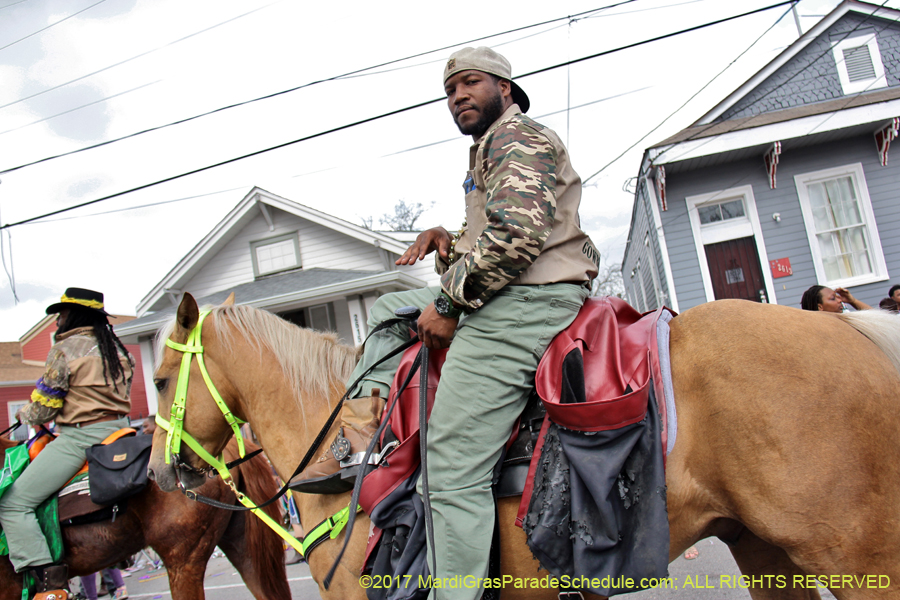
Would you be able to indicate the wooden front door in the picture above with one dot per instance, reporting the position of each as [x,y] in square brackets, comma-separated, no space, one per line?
[735,271]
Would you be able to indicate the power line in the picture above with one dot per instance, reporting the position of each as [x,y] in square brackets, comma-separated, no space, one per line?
[287,91]
[759,167]
[13,4]
[122,62]
[71,110]
[50,25]
[549,114]
[371,119]
[698,134]
[697,93]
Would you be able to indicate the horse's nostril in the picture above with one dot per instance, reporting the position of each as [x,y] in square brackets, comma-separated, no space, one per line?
[151,474]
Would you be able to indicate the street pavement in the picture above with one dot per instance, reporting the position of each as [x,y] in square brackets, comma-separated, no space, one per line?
[222,583]
[710,576]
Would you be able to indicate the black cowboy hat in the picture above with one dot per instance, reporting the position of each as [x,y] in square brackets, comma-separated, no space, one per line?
[80,297]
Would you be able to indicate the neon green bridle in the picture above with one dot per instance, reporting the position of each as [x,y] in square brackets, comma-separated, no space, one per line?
[175,428]
[176,434]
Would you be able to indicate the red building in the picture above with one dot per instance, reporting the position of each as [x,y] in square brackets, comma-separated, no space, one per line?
[22,363]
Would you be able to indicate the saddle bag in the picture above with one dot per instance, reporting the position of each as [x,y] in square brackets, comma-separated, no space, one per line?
[118,470]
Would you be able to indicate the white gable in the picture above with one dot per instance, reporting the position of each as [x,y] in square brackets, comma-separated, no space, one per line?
[222,259]
[319,247]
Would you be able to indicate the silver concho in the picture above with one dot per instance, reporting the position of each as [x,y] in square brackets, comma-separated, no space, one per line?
[340,448]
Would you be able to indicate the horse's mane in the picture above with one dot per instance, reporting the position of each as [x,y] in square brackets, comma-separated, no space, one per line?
[880,326]
[313,362]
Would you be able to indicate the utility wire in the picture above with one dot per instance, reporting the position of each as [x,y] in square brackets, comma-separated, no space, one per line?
[375,118]
[287,91]
[697,93]
[50,25]
[71,110]
[241,187]
[709,126]
[122,62]
[760,168]
[13,4]
[549,114]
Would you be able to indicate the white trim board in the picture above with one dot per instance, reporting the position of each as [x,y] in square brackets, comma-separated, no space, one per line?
[876,252]
[768,134]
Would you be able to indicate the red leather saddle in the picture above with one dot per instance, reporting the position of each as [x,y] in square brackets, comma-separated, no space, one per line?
[618,346]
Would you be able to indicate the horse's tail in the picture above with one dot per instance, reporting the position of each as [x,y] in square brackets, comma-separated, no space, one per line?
[882,327]
[264,546]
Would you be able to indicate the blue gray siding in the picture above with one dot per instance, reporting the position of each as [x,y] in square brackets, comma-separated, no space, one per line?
[646,261]
[811,76]
[787,238]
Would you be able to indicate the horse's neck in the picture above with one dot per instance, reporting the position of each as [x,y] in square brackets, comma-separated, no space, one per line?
[286,427]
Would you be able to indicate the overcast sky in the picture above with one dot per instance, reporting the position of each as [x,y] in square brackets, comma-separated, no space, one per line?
[75,73]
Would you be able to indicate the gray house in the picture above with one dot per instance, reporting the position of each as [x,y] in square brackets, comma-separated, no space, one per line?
[785,183]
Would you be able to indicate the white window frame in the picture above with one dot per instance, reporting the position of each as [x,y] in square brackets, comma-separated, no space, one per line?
[256,245]
[12,407]
[876,252]
[731,229]
[853,87]
[328,308]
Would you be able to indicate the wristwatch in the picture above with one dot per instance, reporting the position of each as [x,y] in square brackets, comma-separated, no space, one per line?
[444,306]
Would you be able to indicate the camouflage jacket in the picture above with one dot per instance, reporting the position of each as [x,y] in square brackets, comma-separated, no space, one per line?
[522,199]
[74,388]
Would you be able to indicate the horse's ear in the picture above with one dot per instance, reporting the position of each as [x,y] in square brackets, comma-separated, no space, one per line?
[188,314]
[229,301]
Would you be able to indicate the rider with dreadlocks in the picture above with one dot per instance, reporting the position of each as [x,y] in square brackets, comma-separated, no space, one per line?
[86,390]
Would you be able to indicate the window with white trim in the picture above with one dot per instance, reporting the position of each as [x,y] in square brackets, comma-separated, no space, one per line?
[721,211]
[275,254]
[21,433]
[859,64]
[840,225]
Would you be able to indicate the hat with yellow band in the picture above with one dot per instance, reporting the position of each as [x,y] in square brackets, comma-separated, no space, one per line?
[79,297]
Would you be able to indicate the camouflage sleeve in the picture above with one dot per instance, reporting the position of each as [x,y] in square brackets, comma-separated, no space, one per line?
[520,176]
[49,391]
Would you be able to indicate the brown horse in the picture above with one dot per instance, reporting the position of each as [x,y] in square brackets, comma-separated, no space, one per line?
[787,445]
[184,533]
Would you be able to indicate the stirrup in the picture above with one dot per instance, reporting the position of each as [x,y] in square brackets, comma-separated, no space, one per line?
[335,483]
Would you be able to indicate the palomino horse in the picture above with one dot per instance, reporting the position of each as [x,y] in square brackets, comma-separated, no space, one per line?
[184,533]
[787,443]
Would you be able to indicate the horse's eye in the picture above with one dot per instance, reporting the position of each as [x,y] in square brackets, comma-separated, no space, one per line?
[160,384]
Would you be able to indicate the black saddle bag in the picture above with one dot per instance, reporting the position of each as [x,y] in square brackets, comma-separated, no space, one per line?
[118,470]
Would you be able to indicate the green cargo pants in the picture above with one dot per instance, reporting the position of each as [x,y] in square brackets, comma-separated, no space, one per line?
[52,468]
[485,383]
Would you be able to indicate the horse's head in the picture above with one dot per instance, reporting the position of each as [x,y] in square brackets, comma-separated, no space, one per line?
[188,410]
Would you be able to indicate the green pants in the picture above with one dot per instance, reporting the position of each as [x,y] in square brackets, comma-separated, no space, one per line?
[485,382]
[52,468]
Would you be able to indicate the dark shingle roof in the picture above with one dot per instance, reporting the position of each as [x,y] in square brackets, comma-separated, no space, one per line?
[266,287]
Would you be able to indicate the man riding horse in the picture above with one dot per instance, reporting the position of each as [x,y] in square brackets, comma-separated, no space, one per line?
[86,390]
[514,276]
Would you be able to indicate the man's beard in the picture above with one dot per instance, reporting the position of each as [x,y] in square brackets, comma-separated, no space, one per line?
[488,114]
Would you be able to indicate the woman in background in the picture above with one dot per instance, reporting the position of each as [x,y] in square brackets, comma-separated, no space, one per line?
[819,297]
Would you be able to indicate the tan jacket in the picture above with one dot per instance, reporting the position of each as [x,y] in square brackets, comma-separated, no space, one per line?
[522,205]
[73,389]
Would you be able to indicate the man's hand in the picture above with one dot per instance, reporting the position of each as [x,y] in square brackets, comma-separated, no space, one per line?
[435,331]
[427,242]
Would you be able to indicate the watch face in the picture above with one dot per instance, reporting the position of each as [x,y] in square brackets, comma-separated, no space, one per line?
[442,305]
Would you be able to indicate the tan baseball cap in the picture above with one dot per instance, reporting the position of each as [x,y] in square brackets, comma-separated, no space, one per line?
[487,61]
